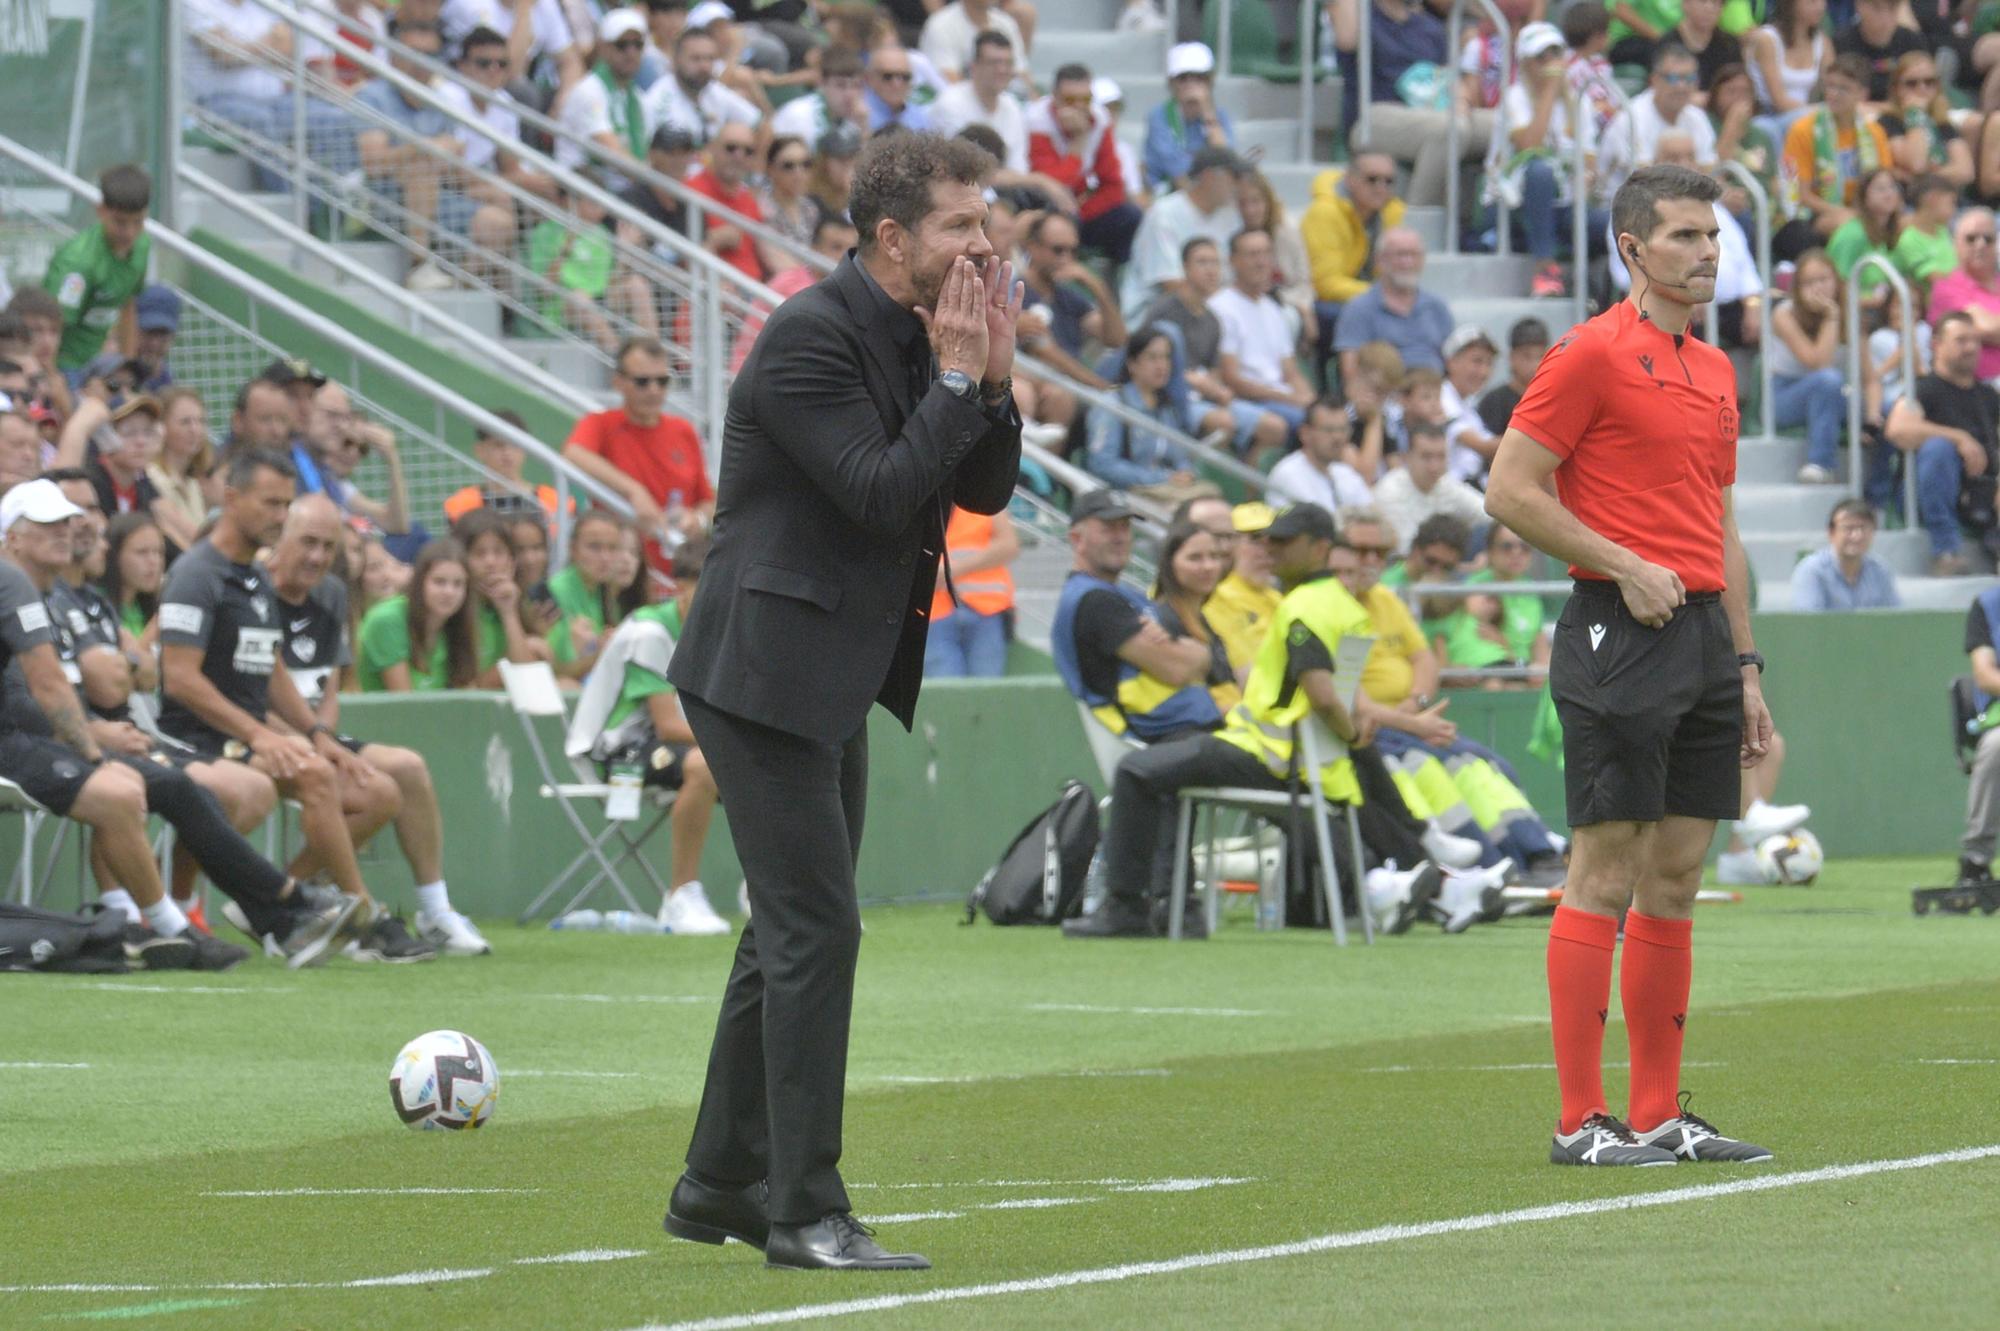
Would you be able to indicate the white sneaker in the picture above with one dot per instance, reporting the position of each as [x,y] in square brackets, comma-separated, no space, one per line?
[1467,897]
[1397,898]
[1814,474]
[1761,820]
[687,912]
[1738,868]
[427,276]
[452,934]
[1453,852]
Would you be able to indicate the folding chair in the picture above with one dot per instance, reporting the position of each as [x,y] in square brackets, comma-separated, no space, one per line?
[14,800]
[1107,748]
[1313,745]
[532,692]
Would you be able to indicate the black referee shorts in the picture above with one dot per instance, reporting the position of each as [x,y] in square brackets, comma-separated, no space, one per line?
[1652,718]
[50,772]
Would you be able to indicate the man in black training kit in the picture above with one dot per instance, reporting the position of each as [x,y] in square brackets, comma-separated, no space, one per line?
[222,672]
[1654,672]
[870,405]
[98,772]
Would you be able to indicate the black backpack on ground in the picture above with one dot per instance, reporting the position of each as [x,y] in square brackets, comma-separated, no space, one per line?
[1040,877]
[44,940]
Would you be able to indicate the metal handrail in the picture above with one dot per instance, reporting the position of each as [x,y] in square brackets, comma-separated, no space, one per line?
[1308,75]
[1525,587]
[1364,68]
[566,474]
[1098,399]
[1579,220]
[1454,30]
[624,166]
[1766,406]
[419,313]
[1856,349]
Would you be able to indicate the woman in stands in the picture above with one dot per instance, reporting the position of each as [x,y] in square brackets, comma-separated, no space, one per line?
[584,592]
[1191,563]
[425,640]
[1130,456]
[1875,228]
[630,587]
[1291,279]
[1787,58]
[1921,136]
[135,568]
[1808,375]
[789,209]
[496,596]
[186,457]
[539,611]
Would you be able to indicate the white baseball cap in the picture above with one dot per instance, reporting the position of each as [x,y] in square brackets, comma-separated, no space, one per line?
[1537,38]
[1190,58]
[1104,90]
[710,11]
[36,501]
[620,23]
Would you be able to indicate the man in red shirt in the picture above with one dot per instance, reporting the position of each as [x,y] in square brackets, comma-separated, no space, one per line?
[1654,672]
[650,457]
[1073,142]
[725,171]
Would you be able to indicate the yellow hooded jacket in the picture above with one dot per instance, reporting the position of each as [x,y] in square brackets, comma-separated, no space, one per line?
[1337,239]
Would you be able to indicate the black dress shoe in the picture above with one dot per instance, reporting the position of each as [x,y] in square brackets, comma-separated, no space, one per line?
[1113,919]
[837,1242]
[714,1215]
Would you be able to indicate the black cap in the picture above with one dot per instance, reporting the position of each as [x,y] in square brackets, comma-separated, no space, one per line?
[1209,157]
[842,140]
[289,370]
[672,139]
[1107,504]
[1302,520]
[1528,333]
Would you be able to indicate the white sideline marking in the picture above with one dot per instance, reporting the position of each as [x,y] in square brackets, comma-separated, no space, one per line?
[1960,1062]
[79,1067]
[905,1217]
[898,1080]
[544,1072]
[1154,1011]
[1179,1184]
[1360,1238]
[364,1192]
[1517,1067]
[107,987]
[433,1277]
[1036,1203]
[1117,1184]
[629,998]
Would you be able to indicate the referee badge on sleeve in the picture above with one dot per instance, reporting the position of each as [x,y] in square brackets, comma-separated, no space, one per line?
[1725,420]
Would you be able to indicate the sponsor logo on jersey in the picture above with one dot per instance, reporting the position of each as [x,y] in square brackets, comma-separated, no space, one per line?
[179,618]
[34,618]
[257,650]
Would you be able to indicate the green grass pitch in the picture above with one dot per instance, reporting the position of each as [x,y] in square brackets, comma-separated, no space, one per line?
[219,1151]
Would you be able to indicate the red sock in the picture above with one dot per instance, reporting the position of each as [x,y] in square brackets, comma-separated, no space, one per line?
[1580,947]
[1659,964]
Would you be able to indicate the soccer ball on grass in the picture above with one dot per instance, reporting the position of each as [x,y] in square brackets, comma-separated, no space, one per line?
[444,1079]
[1790,857]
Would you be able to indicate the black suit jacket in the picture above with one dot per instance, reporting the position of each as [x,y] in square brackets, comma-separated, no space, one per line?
[835,485]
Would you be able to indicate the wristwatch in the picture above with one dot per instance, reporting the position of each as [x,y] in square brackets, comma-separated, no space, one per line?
[1750,659]
[959,384]
[994,395]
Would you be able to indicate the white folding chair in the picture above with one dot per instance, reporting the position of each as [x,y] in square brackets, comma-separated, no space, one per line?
[532,692]
[1313,745]
[1107,748]
[13,800]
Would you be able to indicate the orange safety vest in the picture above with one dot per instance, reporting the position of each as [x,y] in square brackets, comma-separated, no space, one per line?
[461,502]
[990,590]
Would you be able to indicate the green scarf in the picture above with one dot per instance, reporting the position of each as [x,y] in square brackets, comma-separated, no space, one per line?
[1918,118]
[1828,181]
[628,120]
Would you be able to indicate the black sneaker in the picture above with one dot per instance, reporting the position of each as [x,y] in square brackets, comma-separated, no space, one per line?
[1693,1138]
[158,952]
[389,939]
[1973,873]
[1603,1140]
[210,952]
[1112,919]
[311,932]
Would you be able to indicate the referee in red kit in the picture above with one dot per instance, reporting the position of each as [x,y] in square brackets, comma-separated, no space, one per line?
[1654,674]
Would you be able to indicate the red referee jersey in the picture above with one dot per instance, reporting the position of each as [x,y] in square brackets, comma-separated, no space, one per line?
[1645,424]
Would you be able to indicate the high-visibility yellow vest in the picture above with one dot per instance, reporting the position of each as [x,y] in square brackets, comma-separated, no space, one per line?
[1262,724]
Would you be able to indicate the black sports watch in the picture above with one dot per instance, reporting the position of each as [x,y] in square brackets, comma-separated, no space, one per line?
[1750,659]
[960,385]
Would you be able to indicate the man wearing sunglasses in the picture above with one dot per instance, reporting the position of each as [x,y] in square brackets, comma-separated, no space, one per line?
[1350,210]
[725,178]
[1632,139]
[605,106]
[888,82]
[645,452]
[1071,138]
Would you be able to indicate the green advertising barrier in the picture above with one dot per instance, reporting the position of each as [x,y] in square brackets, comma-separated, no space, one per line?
[1859,698]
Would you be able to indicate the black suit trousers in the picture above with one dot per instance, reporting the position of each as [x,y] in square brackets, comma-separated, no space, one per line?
[777,1071]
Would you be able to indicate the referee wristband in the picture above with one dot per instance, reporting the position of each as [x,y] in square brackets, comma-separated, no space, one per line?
[1750,659]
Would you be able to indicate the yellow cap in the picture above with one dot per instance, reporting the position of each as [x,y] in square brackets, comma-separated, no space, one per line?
[1252,517]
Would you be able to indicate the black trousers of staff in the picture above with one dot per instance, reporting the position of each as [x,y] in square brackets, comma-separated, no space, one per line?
[777,1071]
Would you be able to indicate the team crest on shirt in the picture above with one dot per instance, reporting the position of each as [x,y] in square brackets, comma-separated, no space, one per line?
[260,608]
[304,649]
[1726,421]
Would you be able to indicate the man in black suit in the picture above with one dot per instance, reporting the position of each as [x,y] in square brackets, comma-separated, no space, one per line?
[871,403]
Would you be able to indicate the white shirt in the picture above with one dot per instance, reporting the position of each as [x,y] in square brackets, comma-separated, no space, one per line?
[804,118]
[1406,507]
[703,117]
[1256,333]
[498,113]
[586,113]
[1461,420]
[1517,111]
[552,35]
[240,21]
[959,106]
[948,36]
[1168,226]
[1632,139]
[1332,487]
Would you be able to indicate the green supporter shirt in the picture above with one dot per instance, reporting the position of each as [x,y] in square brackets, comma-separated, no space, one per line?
[1846,247]
[1925,256]
[586,269]
[641,683]
[492,637]
[385,641]
[1662,14]
[1521,617]
[92,285]
[134,619]
[572,599]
